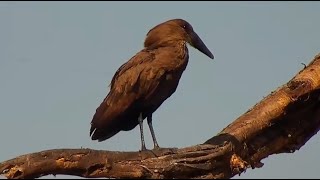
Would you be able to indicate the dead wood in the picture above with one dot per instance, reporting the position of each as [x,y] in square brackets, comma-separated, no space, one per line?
[280,123]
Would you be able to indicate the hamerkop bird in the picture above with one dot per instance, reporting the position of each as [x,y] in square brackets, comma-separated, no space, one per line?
[142,84]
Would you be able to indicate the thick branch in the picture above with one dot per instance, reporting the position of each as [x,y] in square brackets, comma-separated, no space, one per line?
[282,122]
[174,163]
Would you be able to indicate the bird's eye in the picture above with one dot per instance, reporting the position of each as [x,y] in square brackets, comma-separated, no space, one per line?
[184,26]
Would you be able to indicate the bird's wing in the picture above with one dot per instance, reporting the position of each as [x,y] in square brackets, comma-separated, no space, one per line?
[131,82]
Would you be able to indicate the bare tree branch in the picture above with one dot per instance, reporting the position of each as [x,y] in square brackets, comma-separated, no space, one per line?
[281,123]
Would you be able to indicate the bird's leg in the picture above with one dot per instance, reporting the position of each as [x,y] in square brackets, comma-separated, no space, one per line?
[143,145]
[155,143]
[156,149]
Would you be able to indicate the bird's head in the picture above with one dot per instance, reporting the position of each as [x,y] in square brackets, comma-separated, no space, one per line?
[175,30]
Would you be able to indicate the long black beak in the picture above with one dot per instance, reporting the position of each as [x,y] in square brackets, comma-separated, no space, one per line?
[197,43]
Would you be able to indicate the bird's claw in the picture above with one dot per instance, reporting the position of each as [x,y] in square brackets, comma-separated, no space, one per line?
[158,151]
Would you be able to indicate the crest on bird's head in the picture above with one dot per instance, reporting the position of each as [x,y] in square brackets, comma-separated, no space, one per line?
[172,31]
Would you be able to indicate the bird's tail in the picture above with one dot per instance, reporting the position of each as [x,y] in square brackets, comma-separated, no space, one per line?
[112,116]
[104,126]
[101,134]
[96,130]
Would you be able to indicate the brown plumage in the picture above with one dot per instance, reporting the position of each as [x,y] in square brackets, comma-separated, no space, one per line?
[143,83]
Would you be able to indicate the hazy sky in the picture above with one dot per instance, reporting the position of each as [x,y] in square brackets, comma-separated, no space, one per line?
[57,60]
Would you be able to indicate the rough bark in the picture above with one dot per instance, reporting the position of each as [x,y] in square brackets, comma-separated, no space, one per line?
[280,123]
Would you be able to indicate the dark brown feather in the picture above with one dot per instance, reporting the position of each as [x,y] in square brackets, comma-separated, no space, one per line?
[140,85]
[143,83]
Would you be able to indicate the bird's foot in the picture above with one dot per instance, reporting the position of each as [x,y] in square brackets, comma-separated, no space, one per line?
[145,153]
[143,148]
[156,152]
[159,151]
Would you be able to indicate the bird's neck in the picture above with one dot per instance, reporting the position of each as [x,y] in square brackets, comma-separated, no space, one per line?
[182,49]
[179,48]
[168,43]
